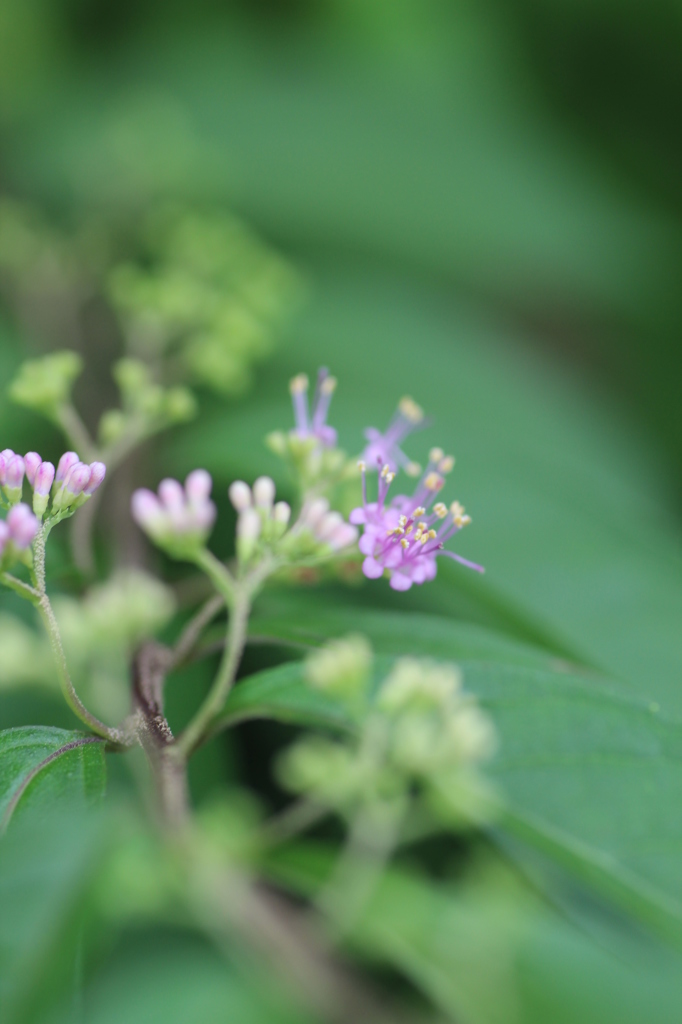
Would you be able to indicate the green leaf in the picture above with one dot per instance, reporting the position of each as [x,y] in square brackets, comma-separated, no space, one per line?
[40,765]
[282,694]
[303,621]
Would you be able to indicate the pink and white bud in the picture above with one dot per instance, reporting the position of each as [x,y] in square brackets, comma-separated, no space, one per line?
[3,467]
[203,516]
[14,473]
[281,513]
[249,527]
[172,494]
[240,495]
[23,526]
[97,473]
[7,454]
[330,522]
[65,465]
[343,537]
[264,492]
[198,486]
[44,478]
[314,512]
[146,510]
[4,536]
[77,480]
[32,462]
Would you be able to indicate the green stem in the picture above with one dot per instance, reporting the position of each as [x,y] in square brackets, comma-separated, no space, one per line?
[20,588]
[240,607]
[38,596]
[77,433]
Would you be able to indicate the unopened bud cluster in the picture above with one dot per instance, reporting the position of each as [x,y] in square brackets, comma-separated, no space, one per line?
[178,519]
[57,492]
[419,727]
[147,407]
[45,384]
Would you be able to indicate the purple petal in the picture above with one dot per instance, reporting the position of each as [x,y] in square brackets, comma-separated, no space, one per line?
[372,569]
[357,517]
[400,581]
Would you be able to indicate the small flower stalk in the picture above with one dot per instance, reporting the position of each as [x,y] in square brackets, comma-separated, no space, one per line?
[178,519]
[403,539]
[310,447]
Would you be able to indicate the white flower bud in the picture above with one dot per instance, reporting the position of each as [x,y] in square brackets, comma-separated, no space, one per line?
[240,495]
[281,513]
[264,492]
[248,531]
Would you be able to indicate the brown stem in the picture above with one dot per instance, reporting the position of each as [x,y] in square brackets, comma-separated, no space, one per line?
[150,667]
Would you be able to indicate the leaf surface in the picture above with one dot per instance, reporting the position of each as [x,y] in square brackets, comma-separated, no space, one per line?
[40,765]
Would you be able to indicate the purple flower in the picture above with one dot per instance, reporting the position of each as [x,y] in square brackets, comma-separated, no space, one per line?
[67,461]
[97,473]
[384,449]
[314,425]
[21,526]
[75,481]
[32,462]
[404,537]
[178,515]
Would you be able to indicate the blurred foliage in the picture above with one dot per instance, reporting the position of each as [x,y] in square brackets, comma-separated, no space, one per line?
[485,201]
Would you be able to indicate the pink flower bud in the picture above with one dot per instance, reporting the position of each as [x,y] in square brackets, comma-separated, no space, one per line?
[4,535]
[172,494]
[66,463]
[198,486]
[264,492]
[32,462]
[23,526]
[14,473]
[97,473]
[3,467]
[77,479]
[203,516]
[44,478]
[146,509]
[7,453]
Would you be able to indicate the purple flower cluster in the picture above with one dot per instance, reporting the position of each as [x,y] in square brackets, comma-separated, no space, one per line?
[19,529]
[177,514]
[74,481]
[408,535]
[313,424]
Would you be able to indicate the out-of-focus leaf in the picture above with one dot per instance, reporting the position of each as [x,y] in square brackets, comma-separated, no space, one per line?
[304,622]
[47,863]
[174,979]
[40,766]
[488,952]
[586,772]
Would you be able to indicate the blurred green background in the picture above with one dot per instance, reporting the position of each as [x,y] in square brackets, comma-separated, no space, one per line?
[485,202]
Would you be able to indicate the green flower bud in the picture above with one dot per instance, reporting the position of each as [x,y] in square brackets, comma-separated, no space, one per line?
[341,668]
[179,405]
[112,426]
[45,384]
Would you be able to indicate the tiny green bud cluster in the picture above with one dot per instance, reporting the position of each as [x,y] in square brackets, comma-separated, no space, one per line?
[45,384]
[419,729]
[146,406]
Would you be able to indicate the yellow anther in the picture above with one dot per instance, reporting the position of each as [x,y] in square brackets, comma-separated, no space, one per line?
[362,466]
[457,509]
[432,534]
[434,482]
[419,511]
[424,539]
[436,454]
[298,384]
[403,520]
[390,477]
[445,465]
[422,526]
[418,534]
[328,386]
[410,409]
[413,469]
[405,543]
[440,509]
[408,530]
